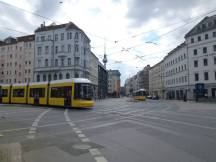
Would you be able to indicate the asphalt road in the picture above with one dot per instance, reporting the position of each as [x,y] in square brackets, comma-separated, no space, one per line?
[115,130]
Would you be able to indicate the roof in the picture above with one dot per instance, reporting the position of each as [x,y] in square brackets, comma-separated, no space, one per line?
[175,49]
[5,85]
[11,40]
[38,83]
[20,84]
[72,80]
[26,38]
[206,24]
[68,26]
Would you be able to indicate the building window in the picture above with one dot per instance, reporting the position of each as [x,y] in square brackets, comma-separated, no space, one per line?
[56,49]
[204,49]
[196,77]
[44,77]
[84,62]
[38,78]
[215,60]
[205,62]
[199,38]
[192,40]
[56,37]
[49,77]
[76,48]
[206,36]
[76,75]
[39,62]
[76,36]
[214,48]
[62,48]
[56,62]
[47,49]
[69,48]
[69,61]
[62,62]
[206,76]
[60,76]
[49,37]
[67,76]
[39,50]
[214,34]
[76,62]
[46,62]
[195,51]
[215,75]
[55,77]
[42,38]
[62,36]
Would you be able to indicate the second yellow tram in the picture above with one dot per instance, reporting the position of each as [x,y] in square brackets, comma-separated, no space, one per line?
[140,95]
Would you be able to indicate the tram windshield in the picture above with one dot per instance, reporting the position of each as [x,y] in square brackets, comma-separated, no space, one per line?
[83,91]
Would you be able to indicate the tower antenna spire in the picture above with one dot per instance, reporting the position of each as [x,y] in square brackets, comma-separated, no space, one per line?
[105,56]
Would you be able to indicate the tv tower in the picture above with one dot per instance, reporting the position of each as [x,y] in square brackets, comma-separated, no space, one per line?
[105,56]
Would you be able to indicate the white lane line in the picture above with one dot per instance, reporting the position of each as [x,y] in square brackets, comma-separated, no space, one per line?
[1,135]
[181,122]
[93,151]
[81,135]
[78,131]
[33,128]
[85,140]
[100,159]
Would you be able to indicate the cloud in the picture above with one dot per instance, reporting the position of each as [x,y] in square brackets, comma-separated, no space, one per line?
[142,11]
[48,8]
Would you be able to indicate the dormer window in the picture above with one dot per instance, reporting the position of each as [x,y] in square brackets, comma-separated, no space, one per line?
[210,24]
[203,26]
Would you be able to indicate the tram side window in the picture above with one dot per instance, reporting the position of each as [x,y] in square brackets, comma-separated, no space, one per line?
[61,92]
[4,93]
[40,92]
[18,92]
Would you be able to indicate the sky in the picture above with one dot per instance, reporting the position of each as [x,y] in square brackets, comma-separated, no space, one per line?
[135,33]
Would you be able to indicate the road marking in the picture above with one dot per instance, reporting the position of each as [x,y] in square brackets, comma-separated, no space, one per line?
[93,151]
[81,135]
[85,140]
[34,126]
[183,123]
[100,159]
[78,131]
[1,135]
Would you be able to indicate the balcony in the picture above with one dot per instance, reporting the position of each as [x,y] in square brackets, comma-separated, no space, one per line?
[62,54]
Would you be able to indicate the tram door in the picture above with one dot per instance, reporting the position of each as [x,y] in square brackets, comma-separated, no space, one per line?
[36,98]
[67,96]
[1,93]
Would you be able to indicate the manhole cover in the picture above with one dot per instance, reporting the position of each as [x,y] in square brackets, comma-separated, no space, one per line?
[81,146]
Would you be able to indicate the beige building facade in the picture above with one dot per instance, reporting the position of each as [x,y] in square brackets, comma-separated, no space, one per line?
[17,58]
[156,80]
[114,83]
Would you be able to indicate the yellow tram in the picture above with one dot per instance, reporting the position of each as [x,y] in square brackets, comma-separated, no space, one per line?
[74,92]
[140,95]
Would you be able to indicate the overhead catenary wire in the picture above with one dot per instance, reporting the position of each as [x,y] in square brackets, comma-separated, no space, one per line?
[47,18]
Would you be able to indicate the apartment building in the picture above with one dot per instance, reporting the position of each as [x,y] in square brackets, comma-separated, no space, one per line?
[114,82]
[201,48]
[156,80]
[176,73]
[17,58]
[61,52]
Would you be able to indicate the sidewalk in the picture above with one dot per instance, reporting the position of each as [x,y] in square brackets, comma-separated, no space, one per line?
[192,104]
